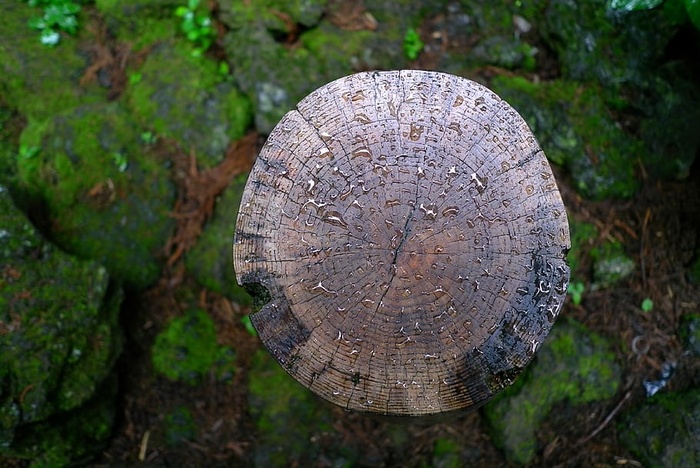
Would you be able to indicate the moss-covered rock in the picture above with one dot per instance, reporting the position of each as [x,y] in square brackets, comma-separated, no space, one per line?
[286,414]
[107,195]
[186,350]
[573,365]
[596,43]
[187,98]
[140,23]
[59,335]
[210,260]
[665,430]
[610,264]
[37,80]
[276,77]
[623,51]
[577,130]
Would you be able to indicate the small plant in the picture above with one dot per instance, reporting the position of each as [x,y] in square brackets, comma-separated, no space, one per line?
[647,305]
[120,160]
[576,290]
[249,325]
[149,138]
[58,15]
[28,152]
[135,78]
[676,10]
[412,45]
[197,27]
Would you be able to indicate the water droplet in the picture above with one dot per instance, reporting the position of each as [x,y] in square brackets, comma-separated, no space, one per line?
[362,153]
[393,202]
[429,210]
[416,132]
[362,118]
[321,289]
[459,100]
[505,166]
[325,153]
[334,218]
[368,303]
[481,183]
[310,185]
[450,211]
[420,172]
[529,190]
[438,249]
[388,223]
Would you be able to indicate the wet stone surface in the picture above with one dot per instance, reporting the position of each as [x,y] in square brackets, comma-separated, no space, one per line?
[411,237]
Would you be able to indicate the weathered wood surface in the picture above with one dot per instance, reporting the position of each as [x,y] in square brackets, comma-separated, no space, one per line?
[407,237]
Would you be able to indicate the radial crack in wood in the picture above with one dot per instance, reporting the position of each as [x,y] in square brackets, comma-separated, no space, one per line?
[405,239]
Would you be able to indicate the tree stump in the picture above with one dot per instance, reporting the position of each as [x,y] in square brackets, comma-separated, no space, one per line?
[405,240]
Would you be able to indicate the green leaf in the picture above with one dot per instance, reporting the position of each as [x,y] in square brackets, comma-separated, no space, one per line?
[412,45]
[647,305]
[634,5]
[693,9]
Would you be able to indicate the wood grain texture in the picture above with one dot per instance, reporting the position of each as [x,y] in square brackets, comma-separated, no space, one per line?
[406,238]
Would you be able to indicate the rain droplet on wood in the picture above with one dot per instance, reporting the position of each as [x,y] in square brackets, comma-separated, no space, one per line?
[396,300]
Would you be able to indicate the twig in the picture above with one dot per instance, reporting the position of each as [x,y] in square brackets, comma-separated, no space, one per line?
[144,445]
[606,421]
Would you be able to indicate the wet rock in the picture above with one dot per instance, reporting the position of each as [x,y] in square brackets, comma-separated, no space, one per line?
[574,366]
[610,264]
[665,430]
[690,333]
[107,195]
[188,99]
[624,51]
[59,338]
[210,260]
[595,43]
[276,75]
[186,350]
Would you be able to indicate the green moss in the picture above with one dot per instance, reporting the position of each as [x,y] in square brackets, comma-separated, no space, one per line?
[573,365]
[60,332]
[96,208]
[40,81]
[663,431]
[582,236]
[286,415]
[187,99]
[446,453]
[576,130]
[336,49]
[140,23]
[210,260]
[179,426]
[186,350]
[71,439]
